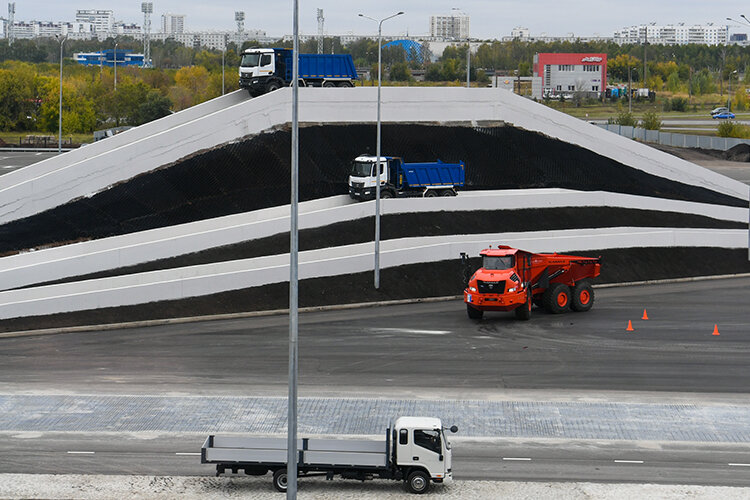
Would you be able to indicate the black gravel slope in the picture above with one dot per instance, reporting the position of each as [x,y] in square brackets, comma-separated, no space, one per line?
[254,173]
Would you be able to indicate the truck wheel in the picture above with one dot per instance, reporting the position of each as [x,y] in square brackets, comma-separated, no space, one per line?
[386,194]
[279,480]
[345,84]
[333,84]
[557,298]
[447,192]
[418,482]
[430,193]
[583,296]
[273,86]
[474,313]
[523,312]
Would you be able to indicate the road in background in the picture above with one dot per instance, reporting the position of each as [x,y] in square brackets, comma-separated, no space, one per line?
[13,160]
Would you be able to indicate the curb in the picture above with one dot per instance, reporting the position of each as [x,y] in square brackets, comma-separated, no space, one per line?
[335,307]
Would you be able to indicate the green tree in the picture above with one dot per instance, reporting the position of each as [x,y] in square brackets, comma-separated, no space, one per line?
[400,73]
[651,121]
[153,107]
[626,119]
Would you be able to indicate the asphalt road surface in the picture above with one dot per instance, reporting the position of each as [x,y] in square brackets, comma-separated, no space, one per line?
[13,160]
[411,352]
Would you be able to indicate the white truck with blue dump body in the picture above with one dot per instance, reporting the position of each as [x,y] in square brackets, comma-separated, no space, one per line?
[404,179]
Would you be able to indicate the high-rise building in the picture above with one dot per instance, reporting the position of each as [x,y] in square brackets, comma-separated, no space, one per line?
[102,20]
[172,24]
[670,34]
[450,27]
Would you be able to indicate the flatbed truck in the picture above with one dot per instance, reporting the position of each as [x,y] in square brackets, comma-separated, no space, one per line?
[415,450]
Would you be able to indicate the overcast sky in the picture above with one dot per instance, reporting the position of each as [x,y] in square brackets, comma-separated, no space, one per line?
[489,18]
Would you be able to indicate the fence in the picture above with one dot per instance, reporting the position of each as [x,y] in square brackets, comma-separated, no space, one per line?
[673,139]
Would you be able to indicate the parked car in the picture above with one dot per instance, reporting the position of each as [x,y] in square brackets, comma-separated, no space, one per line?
[724,115]
[717,111]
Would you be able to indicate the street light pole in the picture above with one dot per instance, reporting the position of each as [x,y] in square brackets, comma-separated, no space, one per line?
[223,51]
[59,115]
[468,62]
[377,149]
[291,463]
[115,65]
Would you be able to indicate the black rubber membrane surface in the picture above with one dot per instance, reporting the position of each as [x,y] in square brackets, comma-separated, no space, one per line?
[419,280]
[254,173]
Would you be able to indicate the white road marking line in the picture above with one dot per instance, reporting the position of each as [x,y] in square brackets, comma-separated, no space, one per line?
[188,454]
[39,154]
[517,459]
[410,330]
[739,465]
[628,461]
[9,166]
[81,452]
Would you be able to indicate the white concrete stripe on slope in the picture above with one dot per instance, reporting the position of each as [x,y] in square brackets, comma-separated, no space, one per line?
[212,278]
[85,172]
[136,248]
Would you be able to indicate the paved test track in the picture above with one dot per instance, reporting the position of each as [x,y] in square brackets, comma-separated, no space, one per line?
[671,365]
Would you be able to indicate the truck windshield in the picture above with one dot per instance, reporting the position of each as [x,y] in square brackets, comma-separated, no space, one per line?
[362,169]
[249,60]
[497,263]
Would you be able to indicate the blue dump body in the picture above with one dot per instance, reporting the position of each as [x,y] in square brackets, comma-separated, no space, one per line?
[313,66]
[433,174]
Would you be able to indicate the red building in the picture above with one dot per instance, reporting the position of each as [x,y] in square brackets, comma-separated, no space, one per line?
[564,74]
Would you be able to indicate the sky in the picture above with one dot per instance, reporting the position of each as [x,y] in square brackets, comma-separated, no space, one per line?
[489,18]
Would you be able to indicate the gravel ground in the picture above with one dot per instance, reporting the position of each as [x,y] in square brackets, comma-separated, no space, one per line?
[45,486]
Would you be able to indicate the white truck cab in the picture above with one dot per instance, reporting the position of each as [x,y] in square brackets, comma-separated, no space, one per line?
[362,179]
[421,443]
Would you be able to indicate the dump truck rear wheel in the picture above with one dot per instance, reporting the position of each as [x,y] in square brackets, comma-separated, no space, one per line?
[430,193]
[583,296]
[474,313]
[557,298]
[280,480]
[329,84]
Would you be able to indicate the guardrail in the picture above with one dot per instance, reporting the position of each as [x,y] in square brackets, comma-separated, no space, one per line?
[675,139]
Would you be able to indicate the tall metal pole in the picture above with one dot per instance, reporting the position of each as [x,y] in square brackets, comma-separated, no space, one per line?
[630,90]
[468,63]
[291,470]
[223,51]
[115,65]
[377,149]
[59,114]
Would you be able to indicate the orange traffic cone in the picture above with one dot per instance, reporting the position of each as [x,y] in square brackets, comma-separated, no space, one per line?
[716,330]
[630,327]
[645,316]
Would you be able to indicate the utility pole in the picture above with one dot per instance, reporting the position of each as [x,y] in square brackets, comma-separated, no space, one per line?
[321,30]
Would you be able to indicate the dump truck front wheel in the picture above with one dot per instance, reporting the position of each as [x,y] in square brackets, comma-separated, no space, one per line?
[474,313]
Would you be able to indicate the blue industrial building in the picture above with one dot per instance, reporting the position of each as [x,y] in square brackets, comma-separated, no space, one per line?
[414,51]
[107,58]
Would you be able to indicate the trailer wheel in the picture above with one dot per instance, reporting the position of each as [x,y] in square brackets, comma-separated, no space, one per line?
[583,296]
[430,193]
[329,85]
[447,192]
[418,482]
[474,313]
[557,298]
[280,480]
[345,84]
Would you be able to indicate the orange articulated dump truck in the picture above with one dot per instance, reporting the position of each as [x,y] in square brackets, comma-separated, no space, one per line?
[512,280]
